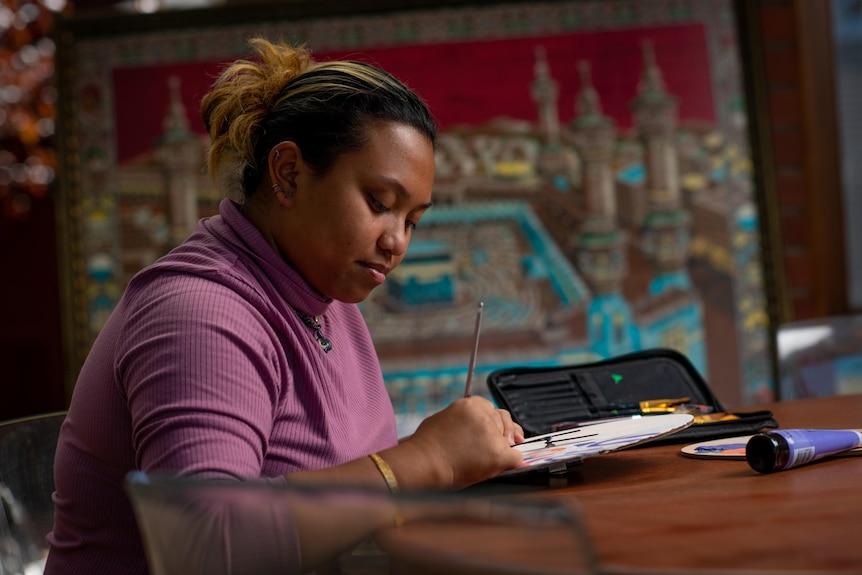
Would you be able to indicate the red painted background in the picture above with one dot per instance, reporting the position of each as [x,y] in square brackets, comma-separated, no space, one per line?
[465,82]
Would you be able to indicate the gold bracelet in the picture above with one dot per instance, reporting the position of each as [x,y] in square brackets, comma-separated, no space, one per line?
[386,472]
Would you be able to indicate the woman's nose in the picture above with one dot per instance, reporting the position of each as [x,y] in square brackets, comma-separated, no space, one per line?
[394,240]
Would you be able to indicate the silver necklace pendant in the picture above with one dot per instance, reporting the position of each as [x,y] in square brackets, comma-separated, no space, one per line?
[314,324]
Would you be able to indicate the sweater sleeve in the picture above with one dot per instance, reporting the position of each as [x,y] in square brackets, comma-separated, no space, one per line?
[197,365]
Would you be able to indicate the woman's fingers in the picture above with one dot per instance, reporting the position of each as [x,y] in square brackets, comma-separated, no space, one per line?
[513,432]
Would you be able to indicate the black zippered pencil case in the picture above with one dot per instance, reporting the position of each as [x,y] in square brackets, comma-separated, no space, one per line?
[543,400]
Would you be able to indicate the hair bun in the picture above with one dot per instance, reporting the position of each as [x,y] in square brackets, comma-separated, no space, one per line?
[240,99]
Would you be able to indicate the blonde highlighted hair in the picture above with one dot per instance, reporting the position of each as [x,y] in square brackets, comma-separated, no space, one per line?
[283,94]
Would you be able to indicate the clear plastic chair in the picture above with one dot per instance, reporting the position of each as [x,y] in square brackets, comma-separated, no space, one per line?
[193,526]
[820,357]
[27,447]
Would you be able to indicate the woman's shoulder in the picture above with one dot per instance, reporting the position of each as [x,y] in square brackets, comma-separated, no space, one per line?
[196,273]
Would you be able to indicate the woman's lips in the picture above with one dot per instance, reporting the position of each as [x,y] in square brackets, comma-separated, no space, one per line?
[377,272]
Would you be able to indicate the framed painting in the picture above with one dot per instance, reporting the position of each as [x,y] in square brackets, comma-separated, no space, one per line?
[595,178]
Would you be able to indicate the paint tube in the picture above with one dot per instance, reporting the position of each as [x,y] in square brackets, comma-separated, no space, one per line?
[783,449]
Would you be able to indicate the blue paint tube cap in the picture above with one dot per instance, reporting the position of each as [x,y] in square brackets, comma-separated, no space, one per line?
[767,452]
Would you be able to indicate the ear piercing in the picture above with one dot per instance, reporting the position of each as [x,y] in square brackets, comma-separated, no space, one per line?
[276,189]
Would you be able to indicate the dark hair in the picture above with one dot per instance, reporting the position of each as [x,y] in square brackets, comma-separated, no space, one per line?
[325,107]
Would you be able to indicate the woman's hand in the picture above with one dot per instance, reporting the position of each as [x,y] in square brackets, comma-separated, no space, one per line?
[467,442]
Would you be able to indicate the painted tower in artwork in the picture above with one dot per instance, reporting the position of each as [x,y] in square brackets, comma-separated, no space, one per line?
[666,227]
[545,91]
[557,163]
[600,245]
[672,316]
[178,152]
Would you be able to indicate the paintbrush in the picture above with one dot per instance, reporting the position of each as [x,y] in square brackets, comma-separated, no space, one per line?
[475,350]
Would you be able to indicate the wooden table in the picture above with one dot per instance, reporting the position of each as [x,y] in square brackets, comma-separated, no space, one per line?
[651,509]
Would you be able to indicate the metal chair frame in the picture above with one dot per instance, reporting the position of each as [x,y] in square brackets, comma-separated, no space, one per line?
[27,447]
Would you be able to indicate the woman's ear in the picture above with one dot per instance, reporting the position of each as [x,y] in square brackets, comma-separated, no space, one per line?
[283,160]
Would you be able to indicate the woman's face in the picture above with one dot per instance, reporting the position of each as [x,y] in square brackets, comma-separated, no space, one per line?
[346,230]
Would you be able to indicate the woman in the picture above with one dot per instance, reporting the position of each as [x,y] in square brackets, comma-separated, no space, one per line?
[241,354]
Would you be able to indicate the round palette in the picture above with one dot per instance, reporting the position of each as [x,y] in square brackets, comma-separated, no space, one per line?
[555,451]
[725,448]
[731,448]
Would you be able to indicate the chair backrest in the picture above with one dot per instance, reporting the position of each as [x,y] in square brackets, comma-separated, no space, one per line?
[820,357]
[194,527]
[27,447]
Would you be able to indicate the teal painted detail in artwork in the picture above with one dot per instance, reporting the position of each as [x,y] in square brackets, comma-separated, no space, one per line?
[534,267]
[632,174]
[425,276]
[680,328]
[411,292]
[671,280]
[427,250]
[746,218]
[610,327]
[561,182]
[479,257]
[661,218]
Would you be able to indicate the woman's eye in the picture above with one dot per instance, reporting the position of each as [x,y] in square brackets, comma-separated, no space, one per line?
[410,225]
[377,206]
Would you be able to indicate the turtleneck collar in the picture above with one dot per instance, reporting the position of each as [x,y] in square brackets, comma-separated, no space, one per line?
[287,281]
